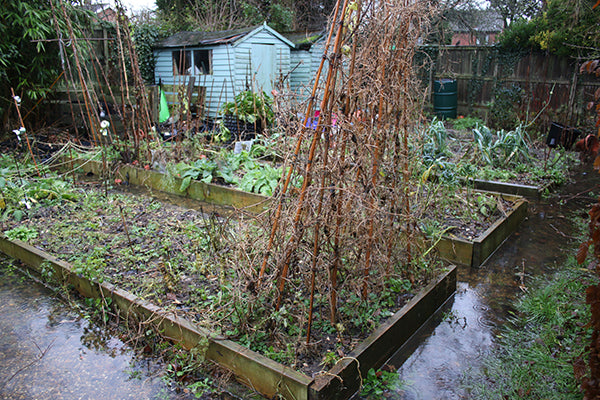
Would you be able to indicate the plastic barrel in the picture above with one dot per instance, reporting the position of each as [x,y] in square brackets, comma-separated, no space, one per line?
[444,98]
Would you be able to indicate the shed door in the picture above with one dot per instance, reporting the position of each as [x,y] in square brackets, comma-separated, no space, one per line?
[263,63]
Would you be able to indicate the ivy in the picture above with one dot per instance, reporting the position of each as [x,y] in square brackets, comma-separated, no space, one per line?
[145,36]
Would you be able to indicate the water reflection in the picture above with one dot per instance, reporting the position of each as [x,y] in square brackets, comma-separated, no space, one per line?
[433,364]
[48,351]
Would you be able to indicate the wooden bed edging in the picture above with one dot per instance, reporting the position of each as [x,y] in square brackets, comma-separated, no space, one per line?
[198,190]
[474,253]
[344,379]
[262,374]
[529,191]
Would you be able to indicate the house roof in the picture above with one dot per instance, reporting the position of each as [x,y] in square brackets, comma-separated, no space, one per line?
[232,36]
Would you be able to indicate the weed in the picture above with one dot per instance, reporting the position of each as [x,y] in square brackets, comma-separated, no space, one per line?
[285,356]
[329,359]
[47,271]
[185,369]
[91,266]
[466,123]
[97,306]
[377,383]
[538,345]
[23,233]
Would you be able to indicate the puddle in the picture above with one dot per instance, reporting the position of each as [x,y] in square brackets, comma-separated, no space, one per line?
[434,362]
[48,351]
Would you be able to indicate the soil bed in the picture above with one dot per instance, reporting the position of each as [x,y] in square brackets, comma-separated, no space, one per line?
[465,151]
[461,212]
[170,256]
[544,168]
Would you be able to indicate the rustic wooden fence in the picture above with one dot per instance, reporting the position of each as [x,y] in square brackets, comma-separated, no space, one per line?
[536,82]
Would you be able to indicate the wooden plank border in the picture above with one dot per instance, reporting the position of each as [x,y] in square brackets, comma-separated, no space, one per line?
[474,253]
[529,191]
[345,378]
[210,193]
[254,370]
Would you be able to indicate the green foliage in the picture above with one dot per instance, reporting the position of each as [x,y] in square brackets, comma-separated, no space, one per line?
[281,17]
[505,107]
[251,107]
[437,144]
[514,9]
[519,36]
[466,123]
[255,176]
[263,179]
[185,368]
[502,148]
[201,169]
[21,193]
[92,264]
[368,315]
[22,233]
[565,28]
[435,154]
[145,36]
[28,62]
[97,307]
[215,15]
[538,345]
[284,356]
[555,169]
[377,383]
[329,359]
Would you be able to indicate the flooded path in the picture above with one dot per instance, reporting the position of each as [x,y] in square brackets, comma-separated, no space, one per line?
[433,364]
[49,351]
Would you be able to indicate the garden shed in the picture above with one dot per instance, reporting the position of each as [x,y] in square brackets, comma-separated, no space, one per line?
[210,68]
[305,58]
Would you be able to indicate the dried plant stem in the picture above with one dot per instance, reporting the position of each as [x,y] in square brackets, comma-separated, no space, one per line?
[18,107]
[304,129]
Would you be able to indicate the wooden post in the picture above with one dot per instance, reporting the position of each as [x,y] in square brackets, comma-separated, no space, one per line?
[572,93]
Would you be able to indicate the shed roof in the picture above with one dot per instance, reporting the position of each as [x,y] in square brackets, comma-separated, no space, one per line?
[231,36]
[304,40]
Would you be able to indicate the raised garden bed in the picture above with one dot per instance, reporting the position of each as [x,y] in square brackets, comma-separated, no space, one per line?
[499,161]
[210,193]
[258,372]
[518,189]
[471,252]
[476,251]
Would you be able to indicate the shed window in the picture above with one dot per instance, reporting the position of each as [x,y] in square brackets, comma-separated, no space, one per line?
[182,61]
[202,62]
[186,62]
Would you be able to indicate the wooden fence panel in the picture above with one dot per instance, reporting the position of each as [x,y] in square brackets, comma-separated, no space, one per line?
[548,84]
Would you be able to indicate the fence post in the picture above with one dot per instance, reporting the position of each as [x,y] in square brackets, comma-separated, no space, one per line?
[572,93]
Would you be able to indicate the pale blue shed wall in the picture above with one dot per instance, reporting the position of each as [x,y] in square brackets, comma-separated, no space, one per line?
[231,67]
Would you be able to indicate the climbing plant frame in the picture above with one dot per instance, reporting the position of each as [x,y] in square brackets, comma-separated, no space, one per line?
[343,215]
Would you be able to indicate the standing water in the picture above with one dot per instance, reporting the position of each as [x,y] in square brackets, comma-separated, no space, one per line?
[48,351]
[433,363]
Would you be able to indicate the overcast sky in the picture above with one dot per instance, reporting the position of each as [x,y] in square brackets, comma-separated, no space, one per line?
[136,5]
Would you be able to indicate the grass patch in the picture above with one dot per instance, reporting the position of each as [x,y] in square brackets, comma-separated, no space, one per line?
[537,347]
